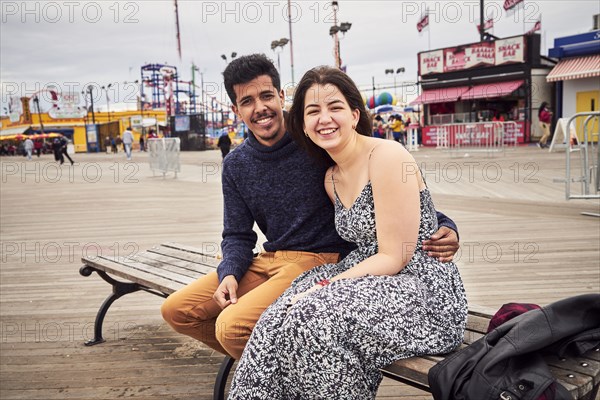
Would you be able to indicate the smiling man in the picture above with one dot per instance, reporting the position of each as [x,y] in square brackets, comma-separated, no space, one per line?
[270,181]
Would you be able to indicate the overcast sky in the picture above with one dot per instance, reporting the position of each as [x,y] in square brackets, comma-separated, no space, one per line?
[71,44]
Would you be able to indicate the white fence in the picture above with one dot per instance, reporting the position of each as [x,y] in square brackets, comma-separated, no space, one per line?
[489,137]
[164,155]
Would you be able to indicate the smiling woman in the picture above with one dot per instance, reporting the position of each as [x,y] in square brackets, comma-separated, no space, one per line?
[322,89]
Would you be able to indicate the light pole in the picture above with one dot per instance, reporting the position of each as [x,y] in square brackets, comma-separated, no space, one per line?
[142,96]
[224,57]
[276,44]
[90,91]
[86,106]
[333,31]
[36,100]
[394,73]
[107,99]
[291,41]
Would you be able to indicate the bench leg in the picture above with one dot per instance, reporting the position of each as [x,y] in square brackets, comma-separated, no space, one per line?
[221,381]
[119,289]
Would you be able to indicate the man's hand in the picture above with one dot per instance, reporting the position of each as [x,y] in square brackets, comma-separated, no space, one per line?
[226,292]
[442,245]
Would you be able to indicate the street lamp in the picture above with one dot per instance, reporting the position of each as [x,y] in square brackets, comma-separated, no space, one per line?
[36,100]
[86,106]
[90,89]
[276,44]
[107,99]
[334,30]
[394,73]
[233,55]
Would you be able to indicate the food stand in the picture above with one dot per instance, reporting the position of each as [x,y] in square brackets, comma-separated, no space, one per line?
[492,81]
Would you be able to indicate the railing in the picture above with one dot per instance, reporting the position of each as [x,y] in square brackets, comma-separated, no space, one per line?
[589,157]
[489,137]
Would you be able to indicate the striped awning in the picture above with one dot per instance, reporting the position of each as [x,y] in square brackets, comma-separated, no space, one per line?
[492,90]
[13,131]
[442,95]
[575,68]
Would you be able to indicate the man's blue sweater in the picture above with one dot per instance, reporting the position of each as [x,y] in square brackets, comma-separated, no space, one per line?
[281,189]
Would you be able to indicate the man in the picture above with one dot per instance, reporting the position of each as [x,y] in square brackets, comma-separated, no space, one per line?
[127,142]
[28,145]
[224,143]
[269,181]
[64,143]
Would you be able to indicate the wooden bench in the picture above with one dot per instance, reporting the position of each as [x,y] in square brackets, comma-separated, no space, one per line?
[170,266]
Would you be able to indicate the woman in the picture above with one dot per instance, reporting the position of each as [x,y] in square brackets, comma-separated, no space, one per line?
[545,118]
[327,336]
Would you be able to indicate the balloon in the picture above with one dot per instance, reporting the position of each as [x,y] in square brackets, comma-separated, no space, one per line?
[372,102]
[385,98]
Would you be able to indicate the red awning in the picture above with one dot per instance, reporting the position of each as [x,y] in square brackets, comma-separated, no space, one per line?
[492,90]
[442,95]
[575,68]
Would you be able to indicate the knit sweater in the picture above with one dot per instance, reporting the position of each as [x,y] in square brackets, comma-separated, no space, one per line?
[281,189]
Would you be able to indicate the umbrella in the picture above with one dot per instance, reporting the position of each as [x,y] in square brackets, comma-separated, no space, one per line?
[414,108]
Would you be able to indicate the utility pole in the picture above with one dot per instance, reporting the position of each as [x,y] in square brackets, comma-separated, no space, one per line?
[291,43]
[36,100]
[481,21]
[336,39]
[91,89]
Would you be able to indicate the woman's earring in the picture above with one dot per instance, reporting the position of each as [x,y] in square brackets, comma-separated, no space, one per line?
[306,133]
[353,126]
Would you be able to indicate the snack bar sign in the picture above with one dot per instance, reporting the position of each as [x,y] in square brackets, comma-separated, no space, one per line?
[500,52]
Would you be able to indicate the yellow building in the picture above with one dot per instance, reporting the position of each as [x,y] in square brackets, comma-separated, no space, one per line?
[93,138]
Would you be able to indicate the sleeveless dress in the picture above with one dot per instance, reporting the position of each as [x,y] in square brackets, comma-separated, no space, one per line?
[332,342]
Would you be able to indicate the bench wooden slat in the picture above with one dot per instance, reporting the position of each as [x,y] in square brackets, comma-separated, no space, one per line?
[163,273]
[593,354]
[198,258]
[187,268]
[414,369]
[577,384]
[194,250]
[126,271]
[581,365]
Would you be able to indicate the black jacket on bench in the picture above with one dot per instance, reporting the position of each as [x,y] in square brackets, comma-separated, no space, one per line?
[507,363]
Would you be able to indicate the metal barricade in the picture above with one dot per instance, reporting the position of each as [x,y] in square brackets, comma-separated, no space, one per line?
[589,159]
[412,137]
[442,138]
[164,155]
[489,137]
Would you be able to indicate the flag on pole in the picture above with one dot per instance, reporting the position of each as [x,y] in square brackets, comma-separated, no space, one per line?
[423,21]
[510,6]
[536,27]
[489,24]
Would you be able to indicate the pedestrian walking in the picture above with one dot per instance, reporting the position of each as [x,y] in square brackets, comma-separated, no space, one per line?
[28,146]
[127,142]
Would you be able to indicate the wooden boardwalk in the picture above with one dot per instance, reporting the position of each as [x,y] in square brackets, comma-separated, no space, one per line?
[521,241]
